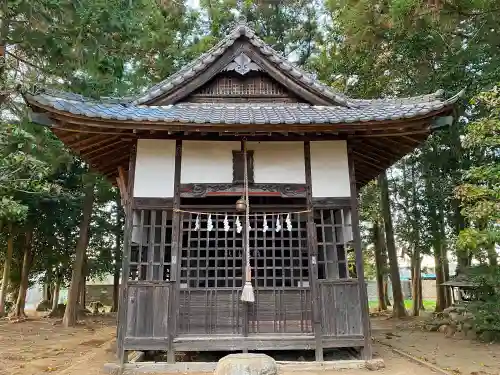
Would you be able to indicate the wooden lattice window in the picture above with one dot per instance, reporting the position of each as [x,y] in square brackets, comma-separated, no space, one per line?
[215,259]
[150,250]
[239,167]
[334,234]
[279,258]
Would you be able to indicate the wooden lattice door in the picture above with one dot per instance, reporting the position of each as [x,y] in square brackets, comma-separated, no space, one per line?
[211,275]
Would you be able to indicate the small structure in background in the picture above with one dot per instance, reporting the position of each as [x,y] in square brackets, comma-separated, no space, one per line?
[463,289]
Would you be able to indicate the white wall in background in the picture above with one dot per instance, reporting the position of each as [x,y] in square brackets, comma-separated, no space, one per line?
[329,169]
[154,168]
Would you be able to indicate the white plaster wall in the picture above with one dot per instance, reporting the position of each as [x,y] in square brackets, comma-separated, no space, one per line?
[329,169]
[154,168]
[278,162]
[207,162]
[212,162]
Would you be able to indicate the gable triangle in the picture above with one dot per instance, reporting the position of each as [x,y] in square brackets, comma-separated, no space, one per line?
[241,52]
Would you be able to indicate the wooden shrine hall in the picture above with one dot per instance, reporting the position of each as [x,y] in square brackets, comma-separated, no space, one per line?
[241,162]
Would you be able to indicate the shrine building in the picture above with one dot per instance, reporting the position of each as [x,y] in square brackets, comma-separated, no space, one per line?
[241,121]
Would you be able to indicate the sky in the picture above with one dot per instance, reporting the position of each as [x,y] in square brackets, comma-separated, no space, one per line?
[193,3]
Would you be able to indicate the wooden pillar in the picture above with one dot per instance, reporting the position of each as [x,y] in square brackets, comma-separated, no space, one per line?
[363,295]
[313,256]
[127,238]
[246,305]
[176,239]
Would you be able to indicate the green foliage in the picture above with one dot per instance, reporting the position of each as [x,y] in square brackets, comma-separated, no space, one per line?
[366,48]
[487,291]
[22,173]
[480,190]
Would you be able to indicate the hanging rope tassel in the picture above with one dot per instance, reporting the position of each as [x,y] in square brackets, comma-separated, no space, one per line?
[247,294]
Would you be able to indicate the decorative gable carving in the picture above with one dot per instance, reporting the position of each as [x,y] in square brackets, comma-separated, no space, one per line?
[242,64]
[232,87]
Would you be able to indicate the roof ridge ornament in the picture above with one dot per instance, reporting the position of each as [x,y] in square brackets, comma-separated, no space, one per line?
[242,64]
[242,19]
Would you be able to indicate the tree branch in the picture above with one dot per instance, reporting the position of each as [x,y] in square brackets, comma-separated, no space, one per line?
[29,63]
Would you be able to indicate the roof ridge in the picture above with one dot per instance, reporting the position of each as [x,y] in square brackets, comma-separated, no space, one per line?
[71,96]
[424,98]
[241,28]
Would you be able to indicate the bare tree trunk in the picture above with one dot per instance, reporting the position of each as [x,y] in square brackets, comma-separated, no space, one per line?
[421,293]
[70,314]
[436,237]
[386,290]
[83,284]
[444,255]
[4,30]
[47,287]
[439,252]
[398,309]
[81,293]
[458,220]
[23,286]
[116,274]
[416,283]
[380,267]
[55,295]
[117,256]
[6,271]
[440,295]
[492,256]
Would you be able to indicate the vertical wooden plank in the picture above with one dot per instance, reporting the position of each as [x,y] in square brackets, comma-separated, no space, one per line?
[323,243]
[254,307]
[127,238]
[151,244]
[246,306]
[363,295]
[301,276]
[313,255]
[132,312]
[292,249]
[141,236]
[174,305]
[335,255]
[190,226]
[160,310]
[226,249]
[162,243]
[144,323]
[344,240]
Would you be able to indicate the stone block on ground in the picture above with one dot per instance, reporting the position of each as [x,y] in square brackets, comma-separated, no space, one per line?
[449,310]
[489,336]
[246,364]
[44,306]
[375,364]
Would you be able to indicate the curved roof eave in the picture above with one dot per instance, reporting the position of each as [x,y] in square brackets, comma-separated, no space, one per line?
[240,113]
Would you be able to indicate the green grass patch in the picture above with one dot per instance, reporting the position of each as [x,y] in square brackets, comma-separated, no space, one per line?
[429,304]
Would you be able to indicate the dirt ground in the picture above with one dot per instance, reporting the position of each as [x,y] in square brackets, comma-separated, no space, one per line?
[40,346]
[456,354]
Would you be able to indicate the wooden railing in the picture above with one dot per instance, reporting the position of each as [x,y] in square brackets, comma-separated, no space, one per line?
[281,311]
[209,311]
[340,308]
[220,311]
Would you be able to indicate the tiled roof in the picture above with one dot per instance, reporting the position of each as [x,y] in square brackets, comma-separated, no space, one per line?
[241,29]
[243,113]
